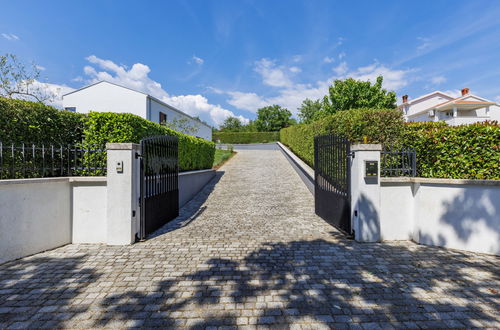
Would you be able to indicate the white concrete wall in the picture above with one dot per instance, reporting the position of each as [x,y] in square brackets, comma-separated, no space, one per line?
[191,182]
[458,214]
[155,108]
[35,216]
[46,213]
[89,203]
[107,97]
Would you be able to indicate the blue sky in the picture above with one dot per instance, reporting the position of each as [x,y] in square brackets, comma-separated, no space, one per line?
[221,58]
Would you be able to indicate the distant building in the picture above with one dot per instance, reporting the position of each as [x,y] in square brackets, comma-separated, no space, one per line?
[438,106]
[108,97]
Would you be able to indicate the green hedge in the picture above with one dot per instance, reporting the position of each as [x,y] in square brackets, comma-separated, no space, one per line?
[359,125]
[246,137]
[102,127]
[457,152]
[33,122]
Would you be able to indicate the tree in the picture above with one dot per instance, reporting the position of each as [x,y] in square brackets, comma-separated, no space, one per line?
[231,124]
[352,94]
[309,110]
[273,118]
[18,81]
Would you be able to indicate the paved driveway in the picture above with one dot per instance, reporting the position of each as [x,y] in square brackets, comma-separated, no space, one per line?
[249,251]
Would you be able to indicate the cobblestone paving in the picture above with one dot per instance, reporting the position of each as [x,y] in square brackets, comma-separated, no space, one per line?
[249,252]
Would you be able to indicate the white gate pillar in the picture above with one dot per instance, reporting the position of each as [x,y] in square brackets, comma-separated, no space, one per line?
[122,193]
[365,192]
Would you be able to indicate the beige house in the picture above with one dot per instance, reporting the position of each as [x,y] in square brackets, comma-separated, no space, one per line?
[439,106]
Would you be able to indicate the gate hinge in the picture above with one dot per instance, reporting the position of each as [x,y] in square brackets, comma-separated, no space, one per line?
[138,155]
[351,154]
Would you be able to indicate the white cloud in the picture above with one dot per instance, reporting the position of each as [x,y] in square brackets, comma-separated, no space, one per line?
[290,95]
[137,77]
[424,43]
[340,69]
[295,69]
[393,79]
[328,59]
[246,101]
[197,105]
[40,68]
[10,36]
[297,58]
[438,80]
[341,55]
[198,60]
[53,92]
[271,74]
[497,99]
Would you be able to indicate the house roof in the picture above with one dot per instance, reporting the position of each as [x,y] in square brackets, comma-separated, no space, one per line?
[147,95]
[425,96]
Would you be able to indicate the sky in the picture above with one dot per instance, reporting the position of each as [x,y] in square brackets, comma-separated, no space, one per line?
[215,59]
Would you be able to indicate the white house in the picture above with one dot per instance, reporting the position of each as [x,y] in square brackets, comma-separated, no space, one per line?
[438,106]
[108,97]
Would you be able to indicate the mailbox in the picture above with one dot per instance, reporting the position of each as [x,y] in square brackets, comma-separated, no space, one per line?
[371,168]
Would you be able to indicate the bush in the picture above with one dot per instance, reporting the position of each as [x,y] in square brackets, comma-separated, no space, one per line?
[34,122]
[103,127]
[457,152]
[359,126]
[246,137]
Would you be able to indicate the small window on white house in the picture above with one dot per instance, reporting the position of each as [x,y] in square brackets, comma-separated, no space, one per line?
[163,117]
[70,109]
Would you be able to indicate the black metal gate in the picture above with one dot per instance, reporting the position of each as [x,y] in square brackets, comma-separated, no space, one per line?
[159,182]
[332,194]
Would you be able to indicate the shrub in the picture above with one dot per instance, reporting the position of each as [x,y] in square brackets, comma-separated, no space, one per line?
[246,137]
[103,127]
[359,126]
[34,122]
[457,152]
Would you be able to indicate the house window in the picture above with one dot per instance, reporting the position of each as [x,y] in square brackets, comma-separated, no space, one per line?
[449,113]
[70,109]
[163,117]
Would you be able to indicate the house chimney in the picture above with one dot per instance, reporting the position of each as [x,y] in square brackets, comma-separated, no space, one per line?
[465,91]
[405,98]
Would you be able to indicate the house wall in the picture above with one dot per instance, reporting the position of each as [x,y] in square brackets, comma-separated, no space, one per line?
[155,108]
[458,214]
[106,97]
[426,103]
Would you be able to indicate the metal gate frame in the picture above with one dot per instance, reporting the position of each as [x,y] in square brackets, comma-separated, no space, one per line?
[159,180]
[332,181]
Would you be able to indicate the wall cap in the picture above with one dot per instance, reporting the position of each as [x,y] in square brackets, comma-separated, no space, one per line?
[122,146]
[56,179]
[440,181]
[366,147]
[196,172]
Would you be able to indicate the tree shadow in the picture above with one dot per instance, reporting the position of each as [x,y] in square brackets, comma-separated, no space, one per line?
[40,290]
[332,283]
[473,209]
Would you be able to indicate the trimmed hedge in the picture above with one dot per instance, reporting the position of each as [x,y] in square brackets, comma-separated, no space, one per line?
[33,122]
[359,126]
[246,137]
[102,127]
[456,152]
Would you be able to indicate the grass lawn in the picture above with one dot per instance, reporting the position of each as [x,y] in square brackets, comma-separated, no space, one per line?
[221,156]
